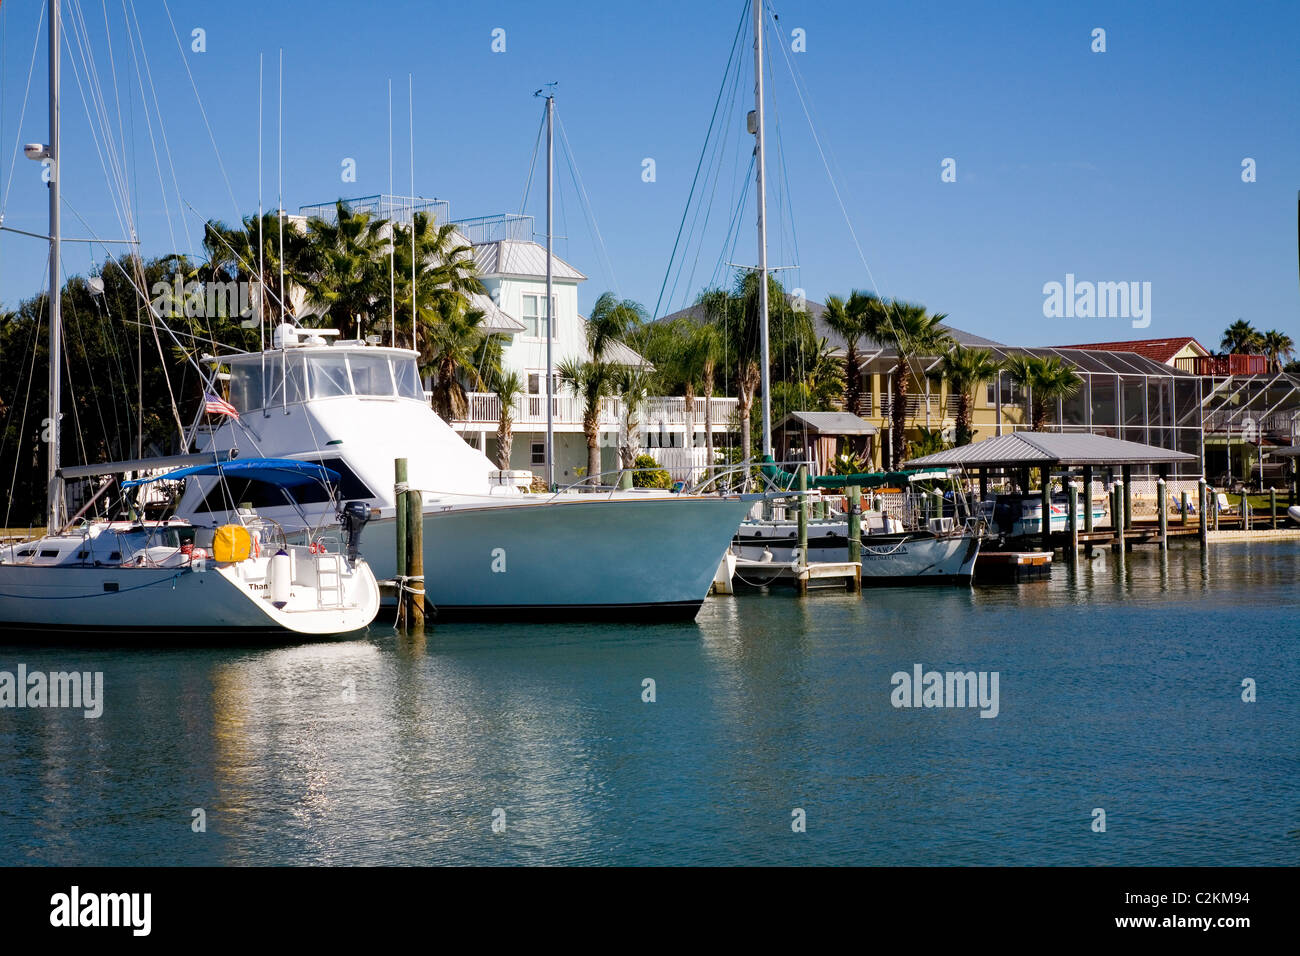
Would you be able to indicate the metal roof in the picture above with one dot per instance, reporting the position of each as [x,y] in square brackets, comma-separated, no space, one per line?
[495,319]
[1059,448]
[829,423]
[515,257]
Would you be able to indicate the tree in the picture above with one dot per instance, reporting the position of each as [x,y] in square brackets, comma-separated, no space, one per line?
[252,253]
[344,266]
[965,370]
[632,386]
[912,332]
[455,346]
[444,276]
[590,382]
[1241,338]
[507,387]
[1047,379]
[853,321]
[1278,346]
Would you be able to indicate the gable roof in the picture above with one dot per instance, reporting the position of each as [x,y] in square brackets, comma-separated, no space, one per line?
[828,423]
[1160,350]
[1061,448]
[518,257]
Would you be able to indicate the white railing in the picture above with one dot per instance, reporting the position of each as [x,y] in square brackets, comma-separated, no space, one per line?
[566,409]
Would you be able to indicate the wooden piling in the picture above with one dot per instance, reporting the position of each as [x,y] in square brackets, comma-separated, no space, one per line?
[1128,496]
[1202,517]
[1245,511]
[855,528]
[1073,498]
[1117,513]
[399,497]
[415,560]
[1162,512]
[803,515]
[1087,498]
[1186,499]
[1045,496]
[1272,508]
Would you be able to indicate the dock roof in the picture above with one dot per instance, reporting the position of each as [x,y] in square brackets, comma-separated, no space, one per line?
[828,423]
[1055,448]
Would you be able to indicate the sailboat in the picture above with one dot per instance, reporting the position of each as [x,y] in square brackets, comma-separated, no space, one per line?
[904,545]
[138,577]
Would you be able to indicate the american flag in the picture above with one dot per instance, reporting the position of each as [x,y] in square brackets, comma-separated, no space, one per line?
[216,405]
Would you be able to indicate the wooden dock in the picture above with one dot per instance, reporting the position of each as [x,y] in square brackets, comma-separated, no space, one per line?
[817,575]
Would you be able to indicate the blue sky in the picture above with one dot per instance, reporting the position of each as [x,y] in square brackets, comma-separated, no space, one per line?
[1115,166]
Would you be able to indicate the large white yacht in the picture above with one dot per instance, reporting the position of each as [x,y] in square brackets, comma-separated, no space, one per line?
[490,548]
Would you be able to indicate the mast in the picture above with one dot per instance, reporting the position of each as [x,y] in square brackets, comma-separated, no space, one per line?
[550,157]
[765,360]
[55,483]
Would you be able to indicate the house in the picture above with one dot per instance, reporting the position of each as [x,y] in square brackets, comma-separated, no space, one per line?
[1180,352]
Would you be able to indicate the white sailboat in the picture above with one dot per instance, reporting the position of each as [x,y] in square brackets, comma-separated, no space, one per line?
[141,578]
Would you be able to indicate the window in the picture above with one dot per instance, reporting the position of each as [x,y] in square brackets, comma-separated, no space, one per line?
[539,452]
[1011,393]
[534,321]
[329,376]
[259,494]
[371,374]
[537,387]
[407,376]
[246,387]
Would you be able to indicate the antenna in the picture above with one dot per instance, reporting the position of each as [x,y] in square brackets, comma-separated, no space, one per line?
[279,216]
[410,95]
[392,234]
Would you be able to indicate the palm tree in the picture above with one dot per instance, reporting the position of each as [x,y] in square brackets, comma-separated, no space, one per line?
[912,332]
[507,387]
[444,271]
[1241,338]
[632,386]
[611,320]
[1278,346]
[344,266]
[965,370]
[1047,379]
[455,344]
[852,321]
[590,382]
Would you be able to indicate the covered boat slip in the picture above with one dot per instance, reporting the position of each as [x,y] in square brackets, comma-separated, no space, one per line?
[1067,456]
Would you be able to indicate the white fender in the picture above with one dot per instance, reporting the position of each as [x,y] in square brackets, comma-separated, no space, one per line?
[281,575]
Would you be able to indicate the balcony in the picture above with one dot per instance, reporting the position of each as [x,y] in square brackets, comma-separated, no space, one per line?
[566,410]
[1223,364]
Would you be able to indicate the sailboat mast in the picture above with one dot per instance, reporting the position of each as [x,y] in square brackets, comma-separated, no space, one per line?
[550,209]
[55,485]
[765,361]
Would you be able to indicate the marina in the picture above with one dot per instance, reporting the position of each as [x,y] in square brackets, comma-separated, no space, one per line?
[344,530]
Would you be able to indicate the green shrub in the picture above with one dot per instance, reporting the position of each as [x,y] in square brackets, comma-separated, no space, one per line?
[658,478]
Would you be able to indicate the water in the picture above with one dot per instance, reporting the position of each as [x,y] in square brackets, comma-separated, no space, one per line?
[1120,688]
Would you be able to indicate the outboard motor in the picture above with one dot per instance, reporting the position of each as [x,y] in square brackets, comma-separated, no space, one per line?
[353,518]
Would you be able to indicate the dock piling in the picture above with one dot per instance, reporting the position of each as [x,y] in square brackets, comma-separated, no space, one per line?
[803,514]
[1245,511]
[1073,498]
[413,592]
[1117,512]
[1185,500]
[399,497]
[1201,514]
[855,530]
[1087,498]
[1162,513]
[1045,495]
[1128,496]
[1272,508]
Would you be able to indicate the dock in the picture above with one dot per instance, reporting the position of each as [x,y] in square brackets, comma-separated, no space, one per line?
[1012,566]
[814,576]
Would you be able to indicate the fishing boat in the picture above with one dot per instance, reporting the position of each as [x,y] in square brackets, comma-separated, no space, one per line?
[144,578]
[1019,515]
[912,532]
[491,549]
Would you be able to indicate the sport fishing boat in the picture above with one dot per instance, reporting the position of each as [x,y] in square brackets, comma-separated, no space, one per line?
[491,549]
[141,577]
[911,532]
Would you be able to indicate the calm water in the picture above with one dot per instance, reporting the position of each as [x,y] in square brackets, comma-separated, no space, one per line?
[1120,688]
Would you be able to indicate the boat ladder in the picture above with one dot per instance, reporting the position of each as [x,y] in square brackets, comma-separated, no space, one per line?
[329,580]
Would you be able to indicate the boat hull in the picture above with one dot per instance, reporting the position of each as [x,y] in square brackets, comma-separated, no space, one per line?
[588,557]
[887,559]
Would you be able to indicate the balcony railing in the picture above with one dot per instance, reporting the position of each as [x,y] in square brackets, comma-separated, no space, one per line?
[485,409]
[1223,364]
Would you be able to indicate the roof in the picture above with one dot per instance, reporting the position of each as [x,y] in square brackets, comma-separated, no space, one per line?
[1059,448]
[1161,350]
[286,472]
[1291,451]
[518,257]
[495,319]
[829,423]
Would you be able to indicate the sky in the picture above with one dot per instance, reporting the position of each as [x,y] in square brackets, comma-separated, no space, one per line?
[1122,165]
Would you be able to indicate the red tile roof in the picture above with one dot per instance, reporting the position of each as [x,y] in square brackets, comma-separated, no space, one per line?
[1161,350]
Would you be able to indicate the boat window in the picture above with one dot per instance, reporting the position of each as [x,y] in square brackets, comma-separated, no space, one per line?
[278,367]
[371,374]
[408,379]
[259,494]
[246,387]
[329,376]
